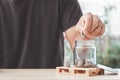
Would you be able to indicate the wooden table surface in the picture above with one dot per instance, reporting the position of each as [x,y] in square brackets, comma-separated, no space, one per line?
[47,74]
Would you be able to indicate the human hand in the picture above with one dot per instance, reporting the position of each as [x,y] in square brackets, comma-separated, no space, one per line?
[90,26]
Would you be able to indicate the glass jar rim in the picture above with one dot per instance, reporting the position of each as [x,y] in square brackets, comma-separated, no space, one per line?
[85,41]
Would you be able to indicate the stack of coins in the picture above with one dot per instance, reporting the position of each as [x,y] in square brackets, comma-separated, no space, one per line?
[87,63]
[66,63]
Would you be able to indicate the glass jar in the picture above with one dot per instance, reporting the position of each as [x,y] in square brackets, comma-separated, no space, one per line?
[85,53]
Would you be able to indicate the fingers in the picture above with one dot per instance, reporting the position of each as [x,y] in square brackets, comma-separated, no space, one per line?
[78,37]
[90,26]
[89,35]
[95,23]
[102,30]
[98,29]
[88,19]
[94,27]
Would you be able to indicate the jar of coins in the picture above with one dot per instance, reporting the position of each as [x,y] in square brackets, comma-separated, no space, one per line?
[85,54]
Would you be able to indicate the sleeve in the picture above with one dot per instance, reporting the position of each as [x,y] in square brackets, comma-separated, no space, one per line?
[70,13]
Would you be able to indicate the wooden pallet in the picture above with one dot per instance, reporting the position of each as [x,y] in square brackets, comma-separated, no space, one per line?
[80,71]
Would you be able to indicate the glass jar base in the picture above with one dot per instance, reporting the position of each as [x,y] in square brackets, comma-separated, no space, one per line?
[85,66]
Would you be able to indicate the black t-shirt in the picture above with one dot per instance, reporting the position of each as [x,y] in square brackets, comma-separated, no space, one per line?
[31,32]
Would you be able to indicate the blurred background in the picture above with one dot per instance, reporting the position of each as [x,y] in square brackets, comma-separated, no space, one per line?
[108,46]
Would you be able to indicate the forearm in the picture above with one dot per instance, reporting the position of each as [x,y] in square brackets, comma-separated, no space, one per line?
[72,35]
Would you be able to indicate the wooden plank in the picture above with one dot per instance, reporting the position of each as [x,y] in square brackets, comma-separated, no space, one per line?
[80,71]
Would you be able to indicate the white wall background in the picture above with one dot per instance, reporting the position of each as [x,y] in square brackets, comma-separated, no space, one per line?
[97,7]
